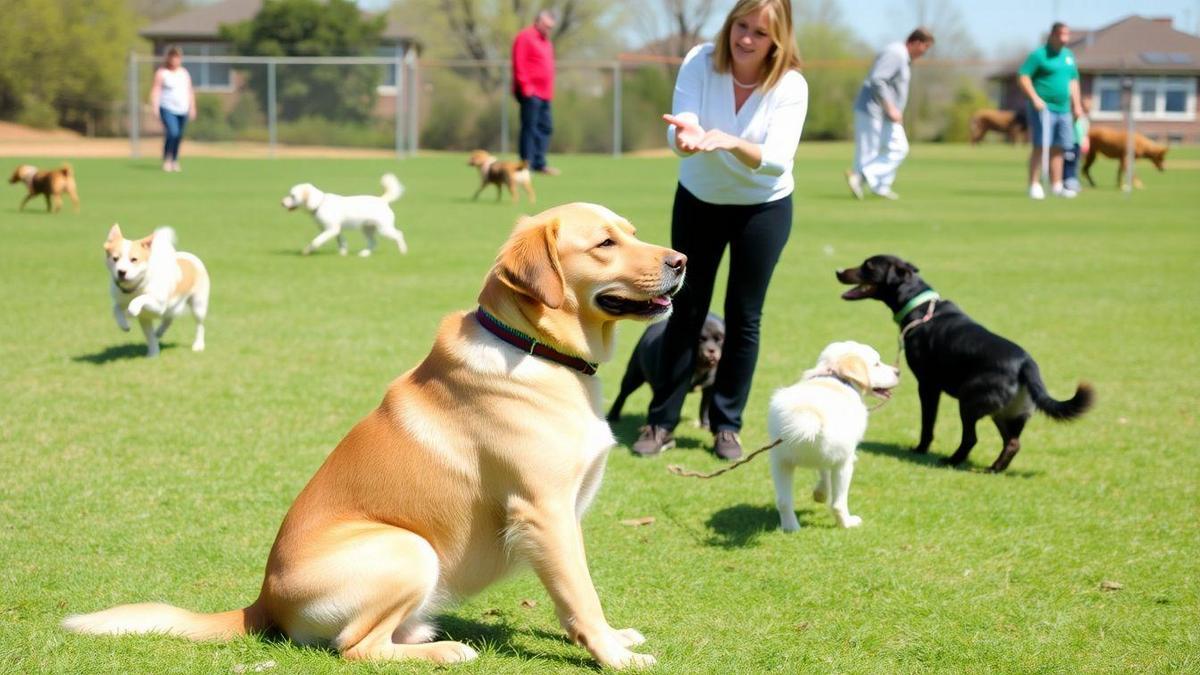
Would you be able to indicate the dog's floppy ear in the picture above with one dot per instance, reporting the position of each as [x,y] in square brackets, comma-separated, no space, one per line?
[528,264]
[853,368]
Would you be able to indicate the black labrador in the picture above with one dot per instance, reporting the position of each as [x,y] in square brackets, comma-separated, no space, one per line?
[948,352]
[644,364]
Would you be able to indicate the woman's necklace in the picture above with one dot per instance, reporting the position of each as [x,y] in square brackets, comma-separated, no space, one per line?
[736,83]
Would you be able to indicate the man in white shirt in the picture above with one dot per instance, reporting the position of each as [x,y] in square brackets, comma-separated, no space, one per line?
[880,144]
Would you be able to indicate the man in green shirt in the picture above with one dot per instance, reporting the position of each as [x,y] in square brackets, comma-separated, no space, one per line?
[1050,79]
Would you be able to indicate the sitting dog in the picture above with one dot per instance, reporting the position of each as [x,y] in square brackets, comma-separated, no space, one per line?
[150,280]
[507,174]
[644,364]
[50,184]
[948,352]
[482,457]
[1012,124]
[819,423]
[335,213]
[1111,144]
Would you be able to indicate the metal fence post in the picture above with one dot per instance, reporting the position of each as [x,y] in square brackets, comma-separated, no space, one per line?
[271,107]
[396,99]
[413,104]
[506,72]
[616,109]
[1130,92]
[134,115]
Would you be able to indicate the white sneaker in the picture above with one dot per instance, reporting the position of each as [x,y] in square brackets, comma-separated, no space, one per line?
[888,195]
[1036,191]
[854,182]
[1065,193]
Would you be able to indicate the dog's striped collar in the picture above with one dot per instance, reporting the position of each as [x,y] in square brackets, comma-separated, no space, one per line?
[531,346]
[922,298]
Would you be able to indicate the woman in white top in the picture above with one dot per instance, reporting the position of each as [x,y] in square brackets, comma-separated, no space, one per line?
[174,98]
[738,111]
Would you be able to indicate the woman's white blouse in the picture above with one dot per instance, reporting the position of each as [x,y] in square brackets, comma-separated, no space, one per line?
[773,120]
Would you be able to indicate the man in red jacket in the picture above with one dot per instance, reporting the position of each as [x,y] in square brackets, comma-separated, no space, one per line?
[533,85]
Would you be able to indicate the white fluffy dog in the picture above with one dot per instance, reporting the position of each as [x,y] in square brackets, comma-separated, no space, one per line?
[149,280]
[820,421]
[334,213]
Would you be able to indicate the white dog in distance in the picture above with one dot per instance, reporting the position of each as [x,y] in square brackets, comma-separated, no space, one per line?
[820,422]
[335,213]
[149,280]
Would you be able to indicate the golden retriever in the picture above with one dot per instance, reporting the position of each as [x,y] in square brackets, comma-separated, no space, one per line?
[1111,144]
[479,458]
[51,184]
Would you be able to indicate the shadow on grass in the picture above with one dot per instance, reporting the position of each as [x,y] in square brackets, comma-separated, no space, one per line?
[500,636]
[935,461]
[741,525]
[130,350]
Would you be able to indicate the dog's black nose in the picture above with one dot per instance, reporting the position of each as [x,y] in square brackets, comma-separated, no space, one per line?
[676,261]
[120,274]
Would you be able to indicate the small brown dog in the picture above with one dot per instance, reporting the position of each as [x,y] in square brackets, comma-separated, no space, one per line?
[1011,124]
[1111,143]
[52,184]
[508,174]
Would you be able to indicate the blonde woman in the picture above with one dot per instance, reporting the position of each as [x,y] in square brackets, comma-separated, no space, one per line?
[736,118]
[173,96]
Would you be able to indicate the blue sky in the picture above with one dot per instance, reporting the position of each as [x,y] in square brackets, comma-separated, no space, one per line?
[999,27]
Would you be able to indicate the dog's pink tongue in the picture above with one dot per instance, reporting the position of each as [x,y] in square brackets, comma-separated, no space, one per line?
[662,301]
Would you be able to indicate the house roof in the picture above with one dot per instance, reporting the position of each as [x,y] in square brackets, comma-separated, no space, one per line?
[1135,44]
[204,22]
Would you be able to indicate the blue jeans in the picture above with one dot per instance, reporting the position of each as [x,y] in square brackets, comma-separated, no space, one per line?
[1061,128]
[536,127]
[173,125]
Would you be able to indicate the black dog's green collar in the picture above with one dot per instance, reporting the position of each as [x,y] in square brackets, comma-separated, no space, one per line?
[922,298]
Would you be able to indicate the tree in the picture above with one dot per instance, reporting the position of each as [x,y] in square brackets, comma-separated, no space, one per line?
[313,28]
[63,62]
[835,61]
[677,25]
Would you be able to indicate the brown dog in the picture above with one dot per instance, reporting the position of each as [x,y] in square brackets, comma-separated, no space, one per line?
[480,458]
[52,184]
[1011,124]
[1111,144]
[507,174]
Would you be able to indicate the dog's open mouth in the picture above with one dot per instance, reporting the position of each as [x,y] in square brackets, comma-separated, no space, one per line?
[863,290]
[621,306]
[879,392]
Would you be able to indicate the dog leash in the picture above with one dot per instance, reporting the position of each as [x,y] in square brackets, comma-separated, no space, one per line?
[911,325]
[687,473]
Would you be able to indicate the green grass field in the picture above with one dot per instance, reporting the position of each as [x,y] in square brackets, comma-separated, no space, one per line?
[129,480]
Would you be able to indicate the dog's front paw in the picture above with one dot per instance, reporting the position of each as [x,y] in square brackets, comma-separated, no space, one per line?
[919,449]
[627,659]
[950,461]
[628,637]
[136,306]
[849,521]
[307,250]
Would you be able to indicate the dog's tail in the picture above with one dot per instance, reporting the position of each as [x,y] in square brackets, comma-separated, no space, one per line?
[152,617]
[392,189]
[1078,404]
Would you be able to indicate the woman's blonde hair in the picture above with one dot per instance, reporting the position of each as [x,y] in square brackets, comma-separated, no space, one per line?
[782,57]
[171,50]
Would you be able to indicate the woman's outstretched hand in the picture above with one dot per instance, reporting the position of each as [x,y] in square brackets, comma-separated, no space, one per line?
[688,135]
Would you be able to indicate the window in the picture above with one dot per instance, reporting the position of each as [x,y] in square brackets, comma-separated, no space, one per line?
[388,83]
[1155,97]
[206,75]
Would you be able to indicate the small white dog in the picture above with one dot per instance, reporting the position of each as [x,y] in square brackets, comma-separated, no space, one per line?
[334,213]
[820,421]
[149,280]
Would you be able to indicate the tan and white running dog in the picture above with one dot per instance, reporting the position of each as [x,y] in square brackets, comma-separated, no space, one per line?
[820,421]
[51,184]
[335,213]
[150,280]
[479,459]
[508,174]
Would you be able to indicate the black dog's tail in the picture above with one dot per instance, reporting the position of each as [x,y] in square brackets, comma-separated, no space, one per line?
[1059,410]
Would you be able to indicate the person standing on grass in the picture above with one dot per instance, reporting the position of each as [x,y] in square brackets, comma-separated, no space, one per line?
[533,85]
[880,144]
[737,114]
[1050,79]
[173,96]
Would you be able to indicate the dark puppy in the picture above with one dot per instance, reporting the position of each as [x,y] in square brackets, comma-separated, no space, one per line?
[643,365]
[948,352]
